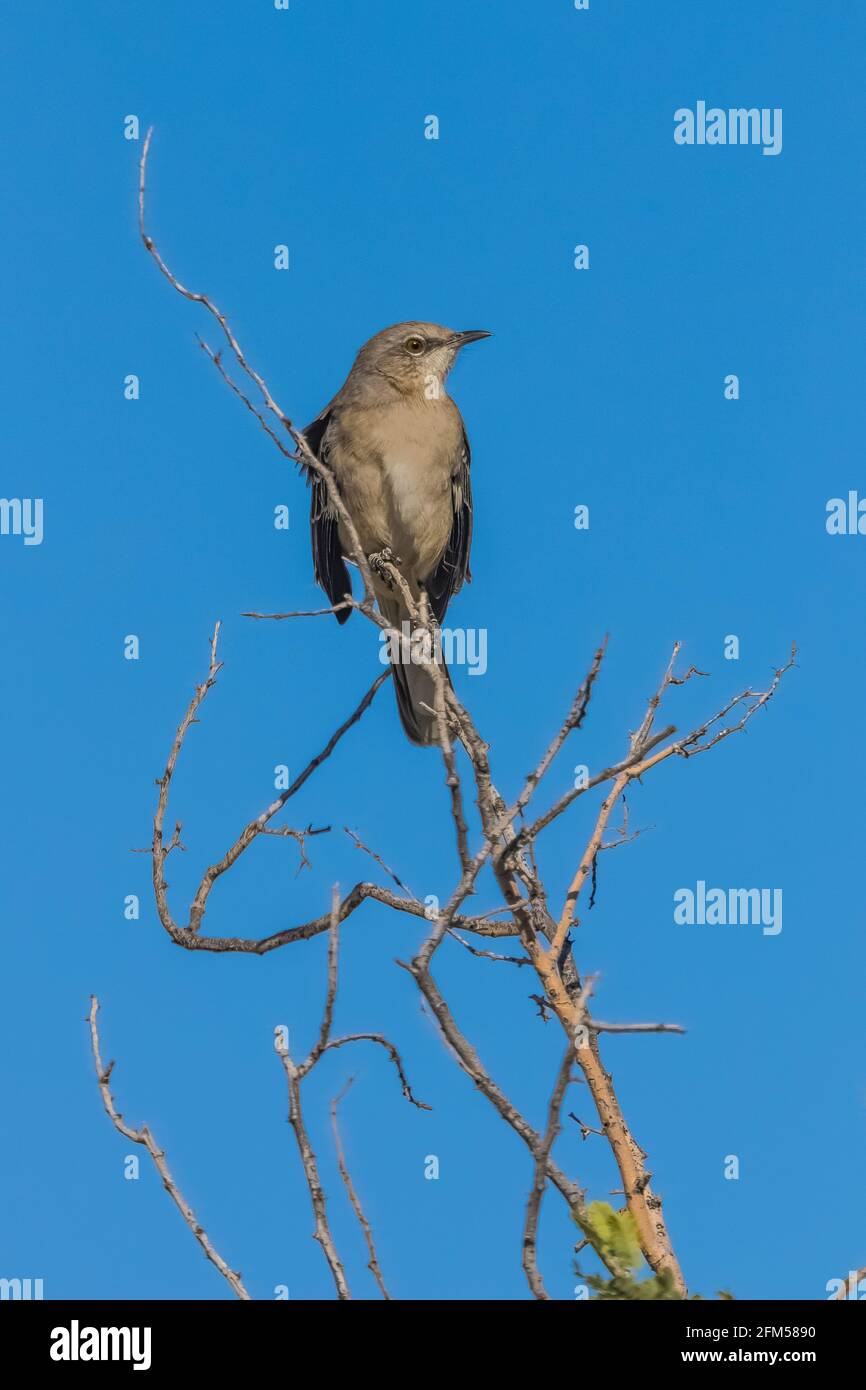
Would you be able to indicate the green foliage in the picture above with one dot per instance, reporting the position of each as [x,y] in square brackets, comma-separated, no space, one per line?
[613,1235]
[626,1287]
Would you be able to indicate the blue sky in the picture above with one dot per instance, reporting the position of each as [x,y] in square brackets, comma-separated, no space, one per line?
[601,387]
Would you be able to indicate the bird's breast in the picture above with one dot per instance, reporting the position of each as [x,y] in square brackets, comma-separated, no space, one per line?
[398,490]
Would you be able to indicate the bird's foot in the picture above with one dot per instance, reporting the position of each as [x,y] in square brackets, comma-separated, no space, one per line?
[379,561]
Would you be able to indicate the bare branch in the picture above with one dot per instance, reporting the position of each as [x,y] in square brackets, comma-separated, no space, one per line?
[159,850]
[567,917]
[632,771]
[186,936]
[373,1263]
[144,1136]
[307,458]
[539,1182]
[595,1025]
[216,358]
[359,844]
[299,836]
[585,1131]
[331,993]
[488,955]
[255,827]
[300,613]
[531,832]
[474,1068]
[381,1041]
[497,820]
[452,777]
[361,892]
[322,1232]
[573,720]
[295,1074]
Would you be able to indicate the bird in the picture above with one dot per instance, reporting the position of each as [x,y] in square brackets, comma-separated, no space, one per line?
[398,451]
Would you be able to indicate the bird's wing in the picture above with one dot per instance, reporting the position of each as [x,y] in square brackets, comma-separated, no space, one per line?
[329,566]
[453,567]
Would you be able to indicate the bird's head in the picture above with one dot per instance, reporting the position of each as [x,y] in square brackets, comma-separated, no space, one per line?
[415,357]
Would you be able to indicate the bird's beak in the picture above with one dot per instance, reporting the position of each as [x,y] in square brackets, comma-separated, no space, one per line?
[470,335]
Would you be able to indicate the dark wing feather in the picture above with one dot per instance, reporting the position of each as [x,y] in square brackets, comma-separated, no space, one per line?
[453,568]
[329,566]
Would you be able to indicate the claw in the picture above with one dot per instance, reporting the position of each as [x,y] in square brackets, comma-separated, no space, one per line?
[379,559]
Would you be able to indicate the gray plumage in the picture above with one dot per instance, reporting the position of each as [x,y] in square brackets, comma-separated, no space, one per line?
[397,446]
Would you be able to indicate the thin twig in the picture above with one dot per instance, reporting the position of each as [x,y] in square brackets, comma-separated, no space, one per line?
[187,935]
[539,1181]
[585,1130]
[595,1025]
[299,836]
[294,1076]
[359,844]
[633,770]
[322,1232]
[488,955]
[381,1041]
[373,1262]
[309,461]
[474,1068]
[145,1137]
[299,613]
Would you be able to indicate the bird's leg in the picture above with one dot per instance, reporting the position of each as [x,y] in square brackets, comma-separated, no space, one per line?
[379,561]
[429,617]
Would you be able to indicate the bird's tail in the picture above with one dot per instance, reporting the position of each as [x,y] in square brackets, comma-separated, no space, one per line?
[416,697]
[413,685]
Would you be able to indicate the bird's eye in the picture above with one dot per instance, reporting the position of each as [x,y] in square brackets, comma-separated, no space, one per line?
[414,344]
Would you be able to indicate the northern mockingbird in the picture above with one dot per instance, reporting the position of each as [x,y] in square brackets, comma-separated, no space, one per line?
[397,447]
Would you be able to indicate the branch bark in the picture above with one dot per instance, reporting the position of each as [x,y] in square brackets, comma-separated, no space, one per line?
[539,1182]
[144,1137]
